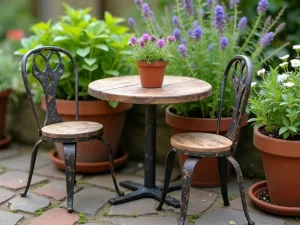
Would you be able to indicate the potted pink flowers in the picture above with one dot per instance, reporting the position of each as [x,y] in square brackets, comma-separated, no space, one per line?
[152,56]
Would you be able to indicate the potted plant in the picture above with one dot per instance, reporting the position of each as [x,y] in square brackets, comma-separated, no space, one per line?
[152,57]
[277,130]
[208,35]
[100,50]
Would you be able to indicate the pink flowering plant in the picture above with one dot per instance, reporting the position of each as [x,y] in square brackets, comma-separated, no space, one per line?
[151,49]
[277,103]
[208,34]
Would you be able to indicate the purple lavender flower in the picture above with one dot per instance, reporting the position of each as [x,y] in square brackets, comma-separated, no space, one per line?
[146,37]
[242,23]
[183,50]
[160,43]
[280,28]
[189,33]
[197,33]
[223,43]
[210,47]
[171,39]
[138,2]
[131,22]
[209,3]
[183,41]
[266,39]
[141,43]
[177,33]
[196,24]
[188,5]
[147,12]
[133,40]
[268,21]
[176,21]
[232,3]
[219,20]
[153,38]
[262,6]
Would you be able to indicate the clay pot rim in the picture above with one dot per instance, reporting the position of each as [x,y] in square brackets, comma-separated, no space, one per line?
[5,93]
[259,134]
[5,141]
[152,64]
[279,210]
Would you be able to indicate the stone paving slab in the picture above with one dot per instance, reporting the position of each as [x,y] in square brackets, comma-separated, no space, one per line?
[55,189]
[138,207]
[53,172]
[16,179]
[7,218]
[144,221]
[160,173]
[22,162]
[30,203]
[8,153]
[199,200]
[237,204]
[5,195]
[90,200]
[131,167]
[56,217]
[223,216]
[1,170]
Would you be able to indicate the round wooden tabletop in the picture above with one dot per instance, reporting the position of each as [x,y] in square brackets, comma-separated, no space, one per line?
[175,89]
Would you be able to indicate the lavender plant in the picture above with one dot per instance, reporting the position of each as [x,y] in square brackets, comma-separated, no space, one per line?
[277,103]
[151,49]
[207,35]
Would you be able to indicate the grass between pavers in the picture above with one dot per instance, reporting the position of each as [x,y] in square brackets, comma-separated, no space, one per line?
[193,218]
[82,218]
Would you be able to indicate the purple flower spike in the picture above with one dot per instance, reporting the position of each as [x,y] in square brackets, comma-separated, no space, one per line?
[210,47]
[209,3]
[177,33]
[280,28]
[141,43]
[242,23]
[183,50]
[223,43]
[146,37]
[138,2]
[188,5]
[266,39]
[196,24]
[183,41]
[131,22]
[197,33]
[176,21]
[171,39]
[189,33]
[153,38]
[161,43]
[133,40]
[219,20]
[147,12]
[262,6]
[232,3]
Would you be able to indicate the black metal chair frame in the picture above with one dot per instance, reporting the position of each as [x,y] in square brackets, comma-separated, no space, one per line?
[49,79]
[241,85]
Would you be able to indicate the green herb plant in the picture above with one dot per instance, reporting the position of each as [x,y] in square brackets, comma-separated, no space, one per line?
[100,48]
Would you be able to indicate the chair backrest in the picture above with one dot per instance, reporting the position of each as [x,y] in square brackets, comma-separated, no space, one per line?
[48,78]
[241,68]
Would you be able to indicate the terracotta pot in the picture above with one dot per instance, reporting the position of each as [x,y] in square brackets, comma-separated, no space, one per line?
[152,75]
[206,172]
[96,111]
[3,109]
[281,160]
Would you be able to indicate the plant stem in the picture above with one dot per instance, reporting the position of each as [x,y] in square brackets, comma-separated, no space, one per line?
[189,66]
[180,17]
[273,53]
[235,21]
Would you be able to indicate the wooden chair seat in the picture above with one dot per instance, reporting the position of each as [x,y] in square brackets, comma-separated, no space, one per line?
[201,142]
[72,129]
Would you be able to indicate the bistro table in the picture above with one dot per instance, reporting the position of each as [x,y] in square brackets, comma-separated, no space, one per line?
[127,89]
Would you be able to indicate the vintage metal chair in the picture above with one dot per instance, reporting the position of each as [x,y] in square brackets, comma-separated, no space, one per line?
[54,129]
[200,145]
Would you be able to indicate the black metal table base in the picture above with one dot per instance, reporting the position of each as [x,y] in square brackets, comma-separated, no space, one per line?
[140,191]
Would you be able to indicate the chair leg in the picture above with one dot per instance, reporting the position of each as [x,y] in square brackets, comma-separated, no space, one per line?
[187,174]
[168,173]
[222,164]
[70,171]
[32,164]
[112,168]
[239,174]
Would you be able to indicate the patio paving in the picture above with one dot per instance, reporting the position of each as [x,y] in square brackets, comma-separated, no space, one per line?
[46,203]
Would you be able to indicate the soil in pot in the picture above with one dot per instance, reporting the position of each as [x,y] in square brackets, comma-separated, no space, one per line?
[152,75]
[99,111]
[4,140]
[206,172]
[281,160]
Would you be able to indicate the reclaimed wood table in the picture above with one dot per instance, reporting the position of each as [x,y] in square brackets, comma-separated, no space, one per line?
[127,89]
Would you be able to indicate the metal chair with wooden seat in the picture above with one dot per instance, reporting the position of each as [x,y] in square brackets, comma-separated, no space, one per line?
[54,129]
[200,145]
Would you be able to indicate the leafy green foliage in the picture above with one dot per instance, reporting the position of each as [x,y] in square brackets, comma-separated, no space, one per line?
[38,212]
[206,59]
[99,47]
[82,218]
[277,103]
